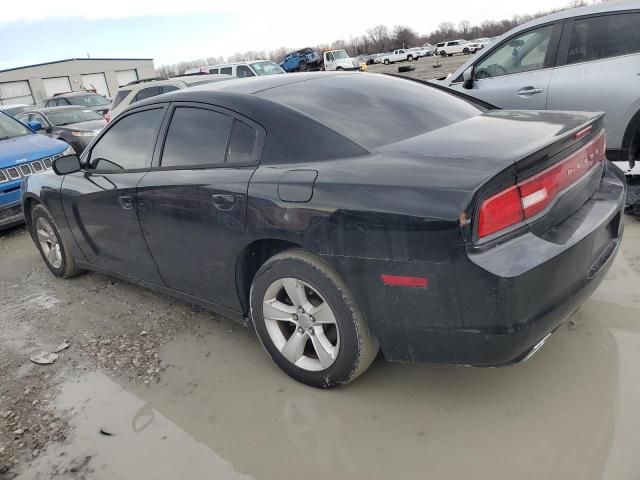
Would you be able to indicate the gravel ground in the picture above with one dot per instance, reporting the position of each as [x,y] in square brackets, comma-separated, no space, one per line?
[424,67]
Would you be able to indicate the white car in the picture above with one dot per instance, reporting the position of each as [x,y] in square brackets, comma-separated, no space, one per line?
[254,68]
[450,48]
[146,88]
[419,51]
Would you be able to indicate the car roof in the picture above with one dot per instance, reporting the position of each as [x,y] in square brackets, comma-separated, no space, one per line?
[71,94]
[231,64]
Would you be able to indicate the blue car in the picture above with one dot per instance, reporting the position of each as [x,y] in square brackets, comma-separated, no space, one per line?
[22,153]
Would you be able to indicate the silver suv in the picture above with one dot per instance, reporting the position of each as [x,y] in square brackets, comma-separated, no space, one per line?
[140,89]
[580,59]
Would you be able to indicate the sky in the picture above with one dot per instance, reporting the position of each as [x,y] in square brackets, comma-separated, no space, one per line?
[169,31]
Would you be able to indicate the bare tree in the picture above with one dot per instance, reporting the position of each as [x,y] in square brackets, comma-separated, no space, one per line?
[404,37]
[464,26]
[379,36]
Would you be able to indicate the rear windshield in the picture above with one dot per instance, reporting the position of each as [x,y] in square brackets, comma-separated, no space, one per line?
[374,110]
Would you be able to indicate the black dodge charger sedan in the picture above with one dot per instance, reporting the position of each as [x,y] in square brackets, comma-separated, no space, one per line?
[343,214]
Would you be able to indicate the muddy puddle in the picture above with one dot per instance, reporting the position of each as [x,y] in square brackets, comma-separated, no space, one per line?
[222,410]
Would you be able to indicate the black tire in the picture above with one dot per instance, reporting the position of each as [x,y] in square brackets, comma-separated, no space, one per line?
[386,61]
[339,69]
[67,267]
[466,51]
[443,54]
[410,58]
[303,67]
[450,55]
[406,68]
[357,346]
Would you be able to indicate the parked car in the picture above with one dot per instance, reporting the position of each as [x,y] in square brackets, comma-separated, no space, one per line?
[451,48]
[138,90]
[13,110]
[96,102]
[419,52]
[368,240]
[400,55]
[77,126]
[22,153]
[471,47]
[302,60]
[585,59]
[254,68]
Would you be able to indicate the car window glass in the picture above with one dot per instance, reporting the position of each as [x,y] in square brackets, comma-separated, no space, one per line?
[603,37]
[147,93]
[169,88]
[129,143]
[523,53]
[213,70]
[225,70]
[38,118]
[196,137]
[243,71]
[121,95]
[241,145]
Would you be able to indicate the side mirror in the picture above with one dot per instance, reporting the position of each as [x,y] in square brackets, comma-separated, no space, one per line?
[35,126]
[467,77]
[67,164]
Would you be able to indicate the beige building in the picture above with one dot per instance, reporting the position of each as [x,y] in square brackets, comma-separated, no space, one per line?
[32,83]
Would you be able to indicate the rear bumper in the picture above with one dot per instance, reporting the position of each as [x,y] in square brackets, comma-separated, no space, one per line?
[491,308]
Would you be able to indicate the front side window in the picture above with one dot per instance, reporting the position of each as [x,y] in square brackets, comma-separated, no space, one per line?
[196,137]
[243,71]
[524,53]
[603,37]
[10,127]
[129,143]
[267,68]
[225,70]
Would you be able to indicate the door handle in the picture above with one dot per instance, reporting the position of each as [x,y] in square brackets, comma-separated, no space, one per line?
[126,202]
[529,91]
[223,201]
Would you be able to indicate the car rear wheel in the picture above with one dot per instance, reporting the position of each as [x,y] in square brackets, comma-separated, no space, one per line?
[466,51]
[308,322]
[443,54]
[410,58]
[303,67]
[47,238]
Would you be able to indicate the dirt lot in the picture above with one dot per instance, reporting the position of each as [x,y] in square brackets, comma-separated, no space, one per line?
[151,388]
[424,67]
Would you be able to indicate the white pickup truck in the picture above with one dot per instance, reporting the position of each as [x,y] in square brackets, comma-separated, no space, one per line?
[399,55]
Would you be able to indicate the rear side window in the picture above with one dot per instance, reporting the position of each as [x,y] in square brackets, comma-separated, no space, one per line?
[373,110]
[121,95]
[169,88]
[603,37]
[213,70]
[129,143]
[242,143]
[147,93]
[225,70]
[196,137]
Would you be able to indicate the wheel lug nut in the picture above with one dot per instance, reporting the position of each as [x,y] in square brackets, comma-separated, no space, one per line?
[311,332]
[295,317]
[301,310]
[300,330]
[311,319]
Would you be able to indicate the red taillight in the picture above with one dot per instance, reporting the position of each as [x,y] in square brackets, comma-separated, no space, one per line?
[529,197]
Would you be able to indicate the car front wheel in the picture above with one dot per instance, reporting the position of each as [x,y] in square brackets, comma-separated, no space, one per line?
[308,322]
[47,238]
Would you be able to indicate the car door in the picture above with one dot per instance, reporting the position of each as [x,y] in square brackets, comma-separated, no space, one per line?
[192,206]
[599,70]
[99,201]
[515,74]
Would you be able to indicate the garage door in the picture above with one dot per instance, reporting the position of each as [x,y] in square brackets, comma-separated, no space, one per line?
[55,85]
[15,92]
[95,81]
[126,76]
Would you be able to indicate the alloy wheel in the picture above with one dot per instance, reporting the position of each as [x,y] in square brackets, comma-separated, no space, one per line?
[301,324]
[49,242]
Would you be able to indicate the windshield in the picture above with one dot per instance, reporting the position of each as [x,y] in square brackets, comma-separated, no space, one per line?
[13,111]
[266,68]
[340,54]
[73,116]
[92,100]
[10,127]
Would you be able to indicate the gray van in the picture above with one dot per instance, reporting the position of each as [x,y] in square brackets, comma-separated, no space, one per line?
[579,59]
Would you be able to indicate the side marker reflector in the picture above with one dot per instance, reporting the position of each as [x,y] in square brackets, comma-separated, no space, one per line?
[402,281]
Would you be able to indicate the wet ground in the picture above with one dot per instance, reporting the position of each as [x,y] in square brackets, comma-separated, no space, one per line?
[151,388]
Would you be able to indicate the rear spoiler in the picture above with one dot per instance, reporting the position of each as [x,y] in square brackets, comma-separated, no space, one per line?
[464,96]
